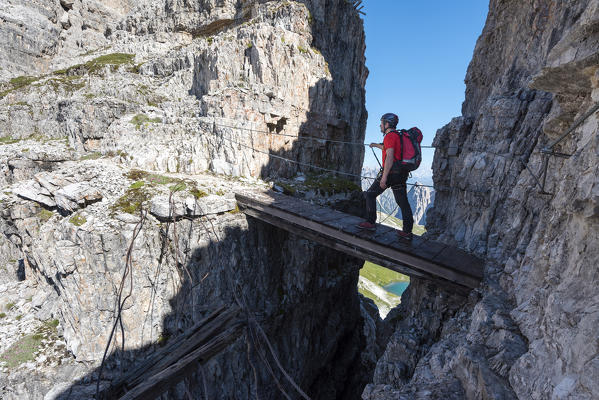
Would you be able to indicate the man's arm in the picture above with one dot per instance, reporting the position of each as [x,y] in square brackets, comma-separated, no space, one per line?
[387,167]
[377,145]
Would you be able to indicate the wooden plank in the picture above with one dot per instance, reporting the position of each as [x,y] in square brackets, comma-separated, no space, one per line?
[406,256]
[160,382]
[196,340]
[117,387]
[332,215]
[319,214]
[461,261]
[346,223]
[382,230]
[298,207]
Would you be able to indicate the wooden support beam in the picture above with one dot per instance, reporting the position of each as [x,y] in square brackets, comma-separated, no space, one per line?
[153,386]
[216,330]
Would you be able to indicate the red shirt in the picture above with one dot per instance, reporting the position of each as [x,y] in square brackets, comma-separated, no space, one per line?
[391,141]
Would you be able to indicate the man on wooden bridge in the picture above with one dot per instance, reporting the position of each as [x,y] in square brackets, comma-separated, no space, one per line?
[400,156]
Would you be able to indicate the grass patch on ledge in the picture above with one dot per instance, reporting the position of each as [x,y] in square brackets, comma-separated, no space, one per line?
[143,119]
[45,215]
[198,193]
[91,156]
[8,140]
[77,220]
[25,349]
[139,193]
[114,61]
[17,83]
[132,201]
[22,351]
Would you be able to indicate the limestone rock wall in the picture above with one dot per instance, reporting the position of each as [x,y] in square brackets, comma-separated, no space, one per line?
[109,105]
[526,333]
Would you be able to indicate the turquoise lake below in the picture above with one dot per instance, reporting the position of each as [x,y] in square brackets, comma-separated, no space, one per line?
[396,288]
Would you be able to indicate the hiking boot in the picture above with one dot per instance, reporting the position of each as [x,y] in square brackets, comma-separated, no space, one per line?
[405,235]
[367,226]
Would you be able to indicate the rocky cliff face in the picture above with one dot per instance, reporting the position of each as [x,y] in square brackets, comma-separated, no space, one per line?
[530,331]
[110,107]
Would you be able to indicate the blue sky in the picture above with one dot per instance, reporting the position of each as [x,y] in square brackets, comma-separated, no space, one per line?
[417,53]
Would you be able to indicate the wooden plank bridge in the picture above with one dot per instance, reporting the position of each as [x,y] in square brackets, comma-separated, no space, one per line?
[450,267]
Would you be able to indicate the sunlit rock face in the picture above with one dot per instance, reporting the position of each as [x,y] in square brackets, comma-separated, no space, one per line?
[529,331]
[106,106]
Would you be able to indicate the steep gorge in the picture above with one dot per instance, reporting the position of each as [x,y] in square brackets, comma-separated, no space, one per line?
[109,105]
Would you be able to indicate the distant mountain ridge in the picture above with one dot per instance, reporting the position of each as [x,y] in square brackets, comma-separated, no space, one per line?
[420,198]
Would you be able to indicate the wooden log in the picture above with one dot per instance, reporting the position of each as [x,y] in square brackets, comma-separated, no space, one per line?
[196,340]
[191,339]
[156,384]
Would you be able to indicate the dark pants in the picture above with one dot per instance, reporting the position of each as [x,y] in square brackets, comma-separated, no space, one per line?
[399,187]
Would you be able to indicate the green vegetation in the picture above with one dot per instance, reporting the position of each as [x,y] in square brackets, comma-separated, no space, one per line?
[25,150]
[45,215]
[8,140]
[91,156]
[143,119]
[197,193]
[151,178]
[329,185]
[22,351]
[17,83]
[114,60]
[52,324]
[18,317]
[381,275]
[26,348]
[139,191]
[135,68]
[380,304]
[77,220]
[162,339]
[9,306]
[69,84]
[137,185]
[302,50]
[132,201]
[2,315]
[178,187]
[250,45]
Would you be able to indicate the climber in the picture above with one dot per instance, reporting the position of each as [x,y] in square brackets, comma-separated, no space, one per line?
[392,174]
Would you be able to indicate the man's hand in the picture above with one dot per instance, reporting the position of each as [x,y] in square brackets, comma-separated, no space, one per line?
[376,145]
[383,183]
